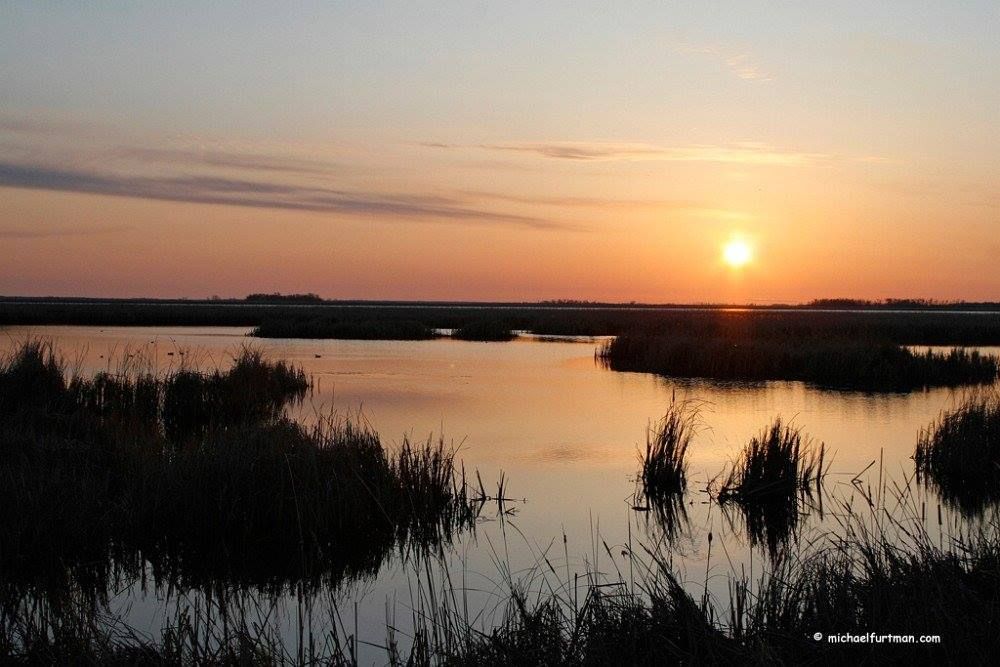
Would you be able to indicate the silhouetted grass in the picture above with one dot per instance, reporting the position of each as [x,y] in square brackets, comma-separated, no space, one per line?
[35,386]
[664,463]
[959,454]
[766,481]
[879,572]
[777,463]
[663,474]
[329,328]
[860,579]
[494,331]
[223,630]
[832,363]
[203,475]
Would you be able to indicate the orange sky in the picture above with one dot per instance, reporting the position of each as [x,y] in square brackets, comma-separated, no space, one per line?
[501,153]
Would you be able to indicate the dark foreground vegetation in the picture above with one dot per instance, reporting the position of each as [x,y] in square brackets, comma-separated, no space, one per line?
[203,477]
[833,363]
[882,572]
[959,454]
[861,585]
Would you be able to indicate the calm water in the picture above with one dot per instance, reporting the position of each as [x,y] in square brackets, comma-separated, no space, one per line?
[565,432]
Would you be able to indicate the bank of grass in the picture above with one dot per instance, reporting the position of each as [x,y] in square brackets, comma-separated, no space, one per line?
[924,327]
[959,454]
[486,331]
[328,328]
[202,476]
[864,365]
[37,388]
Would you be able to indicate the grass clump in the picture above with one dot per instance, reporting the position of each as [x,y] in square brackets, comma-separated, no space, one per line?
[840,363]
[959,454]
[664,463]
[488,331]
[777,463]
[203,476]
[773,472]
[253,389]
[663,473]
[31,378]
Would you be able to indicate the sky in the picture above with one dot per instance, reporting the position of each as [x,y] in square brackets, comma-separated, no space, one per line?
[501,150]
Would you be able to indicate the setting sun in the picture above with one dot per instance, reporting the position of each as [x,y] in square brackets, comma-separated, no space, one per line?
[737,253]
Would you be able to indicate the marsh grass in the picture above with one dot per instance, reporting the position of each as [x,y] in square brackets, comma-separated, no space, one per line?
[225,629]
[664,462]
[881,569]
[202,476]
[855,364]
[773,473]
[959,454]
[924,327]
[662,477]
[779,462]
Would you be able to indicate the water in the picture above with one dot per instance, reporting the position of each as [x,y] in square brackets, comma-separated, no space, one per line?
[564,431]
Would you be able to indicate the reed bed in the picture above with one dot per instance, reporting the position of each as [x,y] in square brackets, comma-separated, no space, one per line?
[832,363]
[204,477]
[779,462]
[774,473]
[881,574]
[664,461]
[883,569]
[662,475]
[959,454]
[900,327]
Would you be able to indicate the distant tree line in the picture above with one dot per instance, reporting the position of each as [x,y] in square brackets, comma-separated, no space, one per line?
[284,298]
[896,303]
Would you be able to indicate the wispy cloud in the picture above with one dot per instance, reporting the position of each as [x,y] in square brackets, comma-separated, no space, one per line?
[212,157]
[260,194]
[43,233]
[684,207]
[585,202]
[739,63]
[749,153]
[743,66]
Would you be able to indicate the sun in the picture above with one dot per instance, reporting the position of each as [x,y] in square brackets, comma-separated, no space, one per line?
[737,253]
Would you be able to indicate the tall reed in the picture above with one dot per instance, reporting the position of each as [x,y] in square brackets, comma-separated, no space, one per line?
[959,454]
